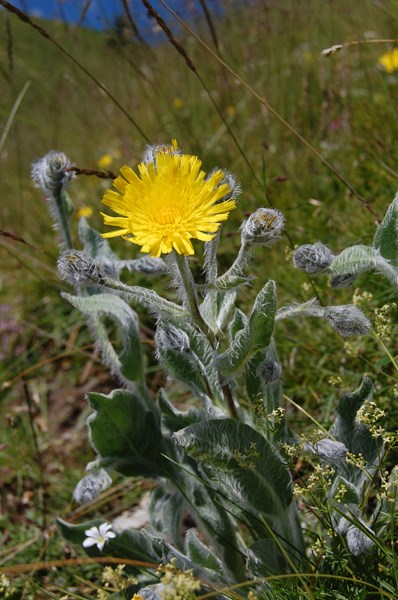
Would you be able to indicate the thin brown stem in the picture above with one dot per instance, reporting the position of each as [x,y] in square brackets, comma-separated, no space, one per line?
[39,456]
[230,401]
[24,17]
[272,110]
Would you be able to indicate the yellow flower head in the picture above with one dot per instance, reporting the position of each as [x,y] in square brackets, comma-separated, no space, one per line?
[168,203]
[84,211]
[105,161]
[389,60]
[178,102]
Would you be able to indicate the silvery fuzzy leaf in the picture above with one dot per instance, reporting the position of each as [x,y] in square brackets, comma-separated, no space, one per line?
[355,435]
[145,265]
[129,365]
[328,450]
[233,282]
[126,434]
[264,558]
[167,509]
[239,322]
[255,335]
[174,352]
[240,461]
[173,419]
[94,244]
[358,542]
[354,260]
[342,281]
[386,237]
[201,554]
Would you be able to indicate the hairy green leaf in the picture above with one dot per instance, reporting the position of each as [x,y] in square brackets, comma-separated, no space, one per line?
[386,237]
[173,419]
[166,512]
[264,558]
[94,244]
[125,433]
[129,365]
[255,335]
[355,435]
[200,554]
[240,462]
[353,260]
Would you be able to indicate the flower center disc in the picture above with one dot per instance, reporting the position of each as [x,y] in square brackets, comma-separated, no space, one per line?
[169,216]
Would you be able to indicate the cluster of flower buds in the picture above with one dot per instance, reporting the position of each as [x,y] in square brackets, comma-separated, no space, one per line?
[263,227]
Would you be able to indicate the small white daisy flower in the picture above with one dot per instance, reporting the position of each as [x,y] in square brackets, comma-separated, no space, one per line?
[98,535]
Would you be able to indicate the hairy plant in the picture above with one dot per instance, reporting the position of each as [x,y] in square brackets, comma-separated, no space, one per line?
[223,507]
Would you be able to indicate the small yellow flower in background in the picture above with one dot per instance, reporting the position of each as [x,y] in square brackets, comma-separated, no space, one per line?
[389,60]
[105,161]
[137,597]
[84,211]
[168,203]
[178,102]
[230,110]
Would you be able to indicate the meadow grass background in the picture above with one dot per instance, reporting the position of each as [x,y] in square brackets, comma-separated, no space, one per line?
[344,105]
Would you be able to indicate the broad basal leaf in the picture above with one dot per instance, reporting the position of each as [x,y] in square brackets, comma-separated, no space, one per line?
[241,463]
[125,433]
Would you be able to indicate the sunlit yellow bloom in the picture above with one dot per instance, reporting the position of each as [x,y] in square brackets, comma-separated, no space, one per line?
[84,211]
[137,597]
[105,161]
[231,110]
[389,60]
[165,206]
[178,102]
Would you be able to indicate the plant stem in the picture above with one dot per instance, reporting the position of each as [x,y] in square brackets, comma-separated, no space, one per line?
[230,401]
[190,296]
[238,265]
[62,204]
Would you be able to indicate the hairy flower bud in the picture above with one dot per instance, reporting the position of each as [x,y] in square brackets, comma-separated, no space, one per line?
[312,258]
[77,268]
[50,172]
[343,281]
[270,371]
[169,337]
[231,181]
[90,487]
[263,227]
[348,320]
[150,152]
